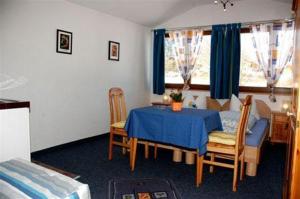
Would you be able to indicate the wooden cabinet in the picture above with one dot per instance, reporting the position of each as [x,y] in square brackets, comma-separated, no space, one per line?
[279,127]
[289,158]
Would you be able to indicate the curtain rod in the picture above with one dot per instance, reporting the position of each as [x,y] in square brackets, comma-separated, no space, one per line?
[245,24]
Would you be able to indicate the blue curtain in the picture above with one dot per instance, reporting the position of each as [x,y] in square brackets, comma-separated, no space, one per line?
[225,61]
[159,62]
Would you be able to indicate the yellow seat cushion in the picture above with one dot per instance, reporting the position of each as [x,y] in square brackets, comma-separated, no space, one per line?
[119,125]
[222,137]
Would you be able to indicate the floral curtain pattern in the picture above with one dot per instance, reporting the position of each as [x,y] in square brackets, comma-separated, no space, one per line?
[274,49]
[186,48]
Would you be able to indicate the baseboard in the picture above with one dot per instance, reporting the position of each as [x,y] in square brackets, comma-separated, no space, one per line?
[63,146]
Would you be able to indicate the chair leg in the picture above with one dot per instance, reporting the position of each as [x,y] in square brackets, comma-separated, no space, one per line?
[212,158]
[110,150]
[124,140]
[199,169]
[133,153]
[155,151]
[130,152]
[242,172]
[129,145]
[146,150]
[235,173]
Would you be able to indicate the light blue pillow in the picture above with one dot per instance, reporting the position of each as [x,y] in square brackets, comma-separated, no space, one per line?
[230,121]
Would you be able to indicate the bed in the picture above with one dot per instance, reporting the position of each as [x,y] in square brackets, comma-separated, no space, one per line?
[22,179]
[254,145]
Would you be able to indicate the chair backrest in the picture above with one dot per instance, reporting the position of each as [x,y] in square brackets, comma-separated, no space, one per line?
[243,123]
[117,105]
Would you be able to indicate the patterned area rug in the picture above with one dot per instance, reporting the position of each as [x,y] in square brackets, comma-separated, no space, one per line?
[142,189]
[66,173]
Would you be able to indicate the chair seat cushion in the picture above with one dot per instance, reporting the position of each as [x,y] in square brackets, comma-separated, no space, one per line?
[222,138]
[119,125]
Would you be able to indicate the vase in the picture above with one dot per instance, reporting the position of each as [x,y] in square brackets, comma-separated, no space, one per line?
[176,106]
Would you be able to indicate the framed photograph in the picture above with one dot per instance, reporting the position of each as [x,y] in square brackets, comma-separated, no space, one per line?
[63,42]
[113,51]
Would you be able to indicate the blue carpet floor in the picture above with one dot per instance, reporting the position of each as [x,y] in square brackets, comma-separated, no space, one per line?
[89,160]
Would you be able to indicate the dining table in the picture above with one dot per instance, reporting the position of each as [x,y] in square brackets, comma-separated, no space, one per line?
[188,128]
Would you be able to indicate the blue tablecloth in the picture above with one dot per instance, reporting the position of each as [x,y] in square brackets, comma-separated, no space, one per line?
[187,128]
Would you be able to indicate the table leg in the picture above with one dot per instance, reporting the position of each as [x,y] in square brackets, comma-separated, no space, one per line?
[189,158]
[133,153]
[199,169]
[177,155]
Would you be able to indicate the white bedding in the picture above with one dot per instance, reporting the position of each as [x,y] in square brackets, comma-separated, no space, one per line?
[22,179]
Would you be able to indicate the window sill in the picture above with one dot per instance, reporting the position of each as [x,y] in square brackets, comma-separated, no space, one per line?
[263,90]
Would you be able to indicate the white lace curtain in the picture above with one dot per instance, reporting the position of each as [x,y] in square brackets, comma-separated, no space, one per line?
[274,44]
[186,48]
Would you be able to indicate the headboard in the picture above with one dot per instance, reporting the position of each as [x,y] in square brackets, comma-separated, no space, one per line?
[263,109]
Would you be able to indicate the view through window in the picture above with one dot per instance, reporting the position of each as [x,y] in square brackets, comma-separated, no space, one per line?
[172,74]
[250,72]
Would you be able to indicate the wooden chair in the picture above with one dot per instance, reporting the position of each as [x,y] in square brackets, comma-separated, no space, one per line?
[118,117]
[223,145]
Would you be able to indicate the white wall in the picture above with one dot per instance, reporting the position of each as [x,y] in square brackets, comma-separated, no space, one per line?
[202,94]
[69,93]
[1,28]
[242,11]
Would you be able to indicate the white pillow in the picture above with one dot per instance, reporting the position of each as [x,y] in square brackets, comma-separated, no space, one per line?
[201,102]
[235,103]
[194,101]
[187,99]
[253,110]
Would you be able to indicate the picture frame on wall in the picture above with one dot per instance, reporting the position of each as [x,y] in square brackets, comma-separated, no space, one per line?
[63,41]
[113,50]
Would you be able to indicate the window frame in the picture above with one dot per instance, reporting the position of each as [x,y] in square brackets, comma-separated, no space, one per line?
[246,89]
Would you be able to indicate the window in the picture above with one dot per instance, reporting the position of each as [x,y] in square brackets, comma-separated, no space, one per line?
[201,69]
[200,74]
[250,73]
[172,74]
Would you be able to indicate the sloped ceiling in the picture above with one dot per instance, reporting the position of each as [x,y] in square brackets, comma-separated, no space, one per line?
[285,1]
[146,12]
